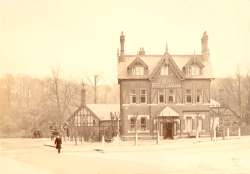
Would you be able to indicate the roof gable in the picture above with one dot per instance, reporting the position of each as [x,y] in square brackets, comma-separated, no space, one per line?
[137,61]
[167,60]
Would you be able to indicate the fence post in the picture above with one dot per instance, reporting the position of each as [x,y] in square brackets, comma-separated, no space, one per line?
[103,141]
[136,139]
[228,133]
[214,136]
[158,138]
[197,135]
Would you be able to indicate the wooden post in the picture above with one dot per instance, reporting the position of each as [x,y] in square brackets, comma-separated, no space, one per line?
[136,139]
[103,140]
[158,137]
[228,133]
[75,140]
[136,135]
[197,127]
[239,132]
[75,136]
[214,136]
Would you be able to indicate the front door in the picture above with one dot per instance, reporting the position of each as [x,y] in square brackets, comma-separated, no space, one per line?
[168,130]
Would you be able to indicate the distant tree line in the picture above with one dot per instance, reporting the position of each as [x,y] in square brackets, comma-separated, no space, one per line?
[28,104]
[234,92]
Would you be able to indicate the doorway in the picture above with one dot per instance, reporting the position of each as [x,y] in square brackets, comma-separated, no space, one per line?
[168,130]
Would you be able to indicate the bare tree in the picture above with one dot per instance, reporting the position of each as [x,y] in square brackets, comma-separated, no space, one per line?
[238,89]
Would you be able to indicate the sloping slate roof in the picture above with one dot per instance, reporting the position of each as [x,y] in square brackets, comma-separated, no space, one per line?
[150,60]
[153,60]
[102,111]
[182,60]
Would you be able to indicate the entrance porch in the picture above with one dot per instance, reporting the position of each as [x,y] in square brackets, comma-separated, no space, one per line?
[168,123]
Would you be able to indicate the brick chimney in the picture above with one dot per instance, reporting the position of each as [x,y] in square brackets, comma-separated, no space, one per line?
[204,46]
[122,41]
[141,52]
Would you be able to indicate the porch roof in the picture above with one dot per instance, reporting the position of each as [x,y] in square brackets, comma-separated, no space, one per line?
[168,112]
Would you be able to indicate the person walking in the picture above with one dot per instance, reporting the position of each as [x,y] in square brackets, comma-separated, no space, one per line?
[58,143]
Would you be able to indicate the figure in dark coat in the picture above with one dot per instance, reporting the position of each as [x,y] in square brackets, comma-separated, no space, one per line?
[58,143]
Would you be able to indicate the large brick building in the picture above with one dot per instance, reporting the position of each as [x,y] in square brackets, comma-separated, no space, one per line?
[165,92]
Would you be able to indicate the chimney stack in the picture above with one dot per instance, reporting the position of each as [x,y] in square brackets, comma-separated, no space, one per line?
[122,41]
[142,52]
[204,46]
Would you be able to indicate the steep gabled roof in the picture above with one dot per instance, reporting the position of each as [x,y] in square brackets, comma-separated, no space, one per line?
[102,111]
[99,111]
[136,61]
[167,59]
[153,61]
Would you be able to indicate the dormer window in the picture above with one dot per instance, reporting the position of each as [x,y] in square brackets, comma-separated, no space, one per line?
[138,70]
[195,70]
[164,70]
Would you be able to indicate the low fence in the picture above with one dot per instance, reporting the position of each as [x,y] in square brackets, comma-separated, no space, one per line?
[92,133]
[233,131]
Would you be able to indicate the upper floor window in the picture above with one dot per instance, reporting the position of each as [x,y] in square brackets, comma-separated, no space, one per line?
[188,96]
[138,70]
[133,96]
[199,96]
[164,70]
[143,96]
[143,123]
[132,123]
[161,96]
[171,96]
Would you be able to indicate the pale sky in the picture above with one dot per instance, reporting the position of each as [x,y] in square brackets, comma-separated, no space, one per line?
[82,36]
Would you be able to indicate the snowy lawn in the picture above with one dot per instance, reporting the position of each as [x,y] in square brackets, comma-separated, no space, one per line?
[170,156]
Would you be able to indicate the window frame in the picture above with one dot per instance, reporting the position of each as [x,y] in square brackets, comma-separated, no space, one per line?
[199,93]
[188,93]
[171,94]
[143,95]
[195,70]
[138,70]
[132,124]
[132,95]
[143,125]
[161,92]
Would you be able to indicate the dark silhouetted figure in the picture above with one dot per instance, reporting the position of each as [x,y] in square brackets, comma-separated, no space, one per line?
[58,143]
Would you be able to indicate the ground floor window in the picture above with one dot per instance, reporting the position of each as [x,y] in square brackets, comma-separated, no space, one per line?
[143,123]
[139,122]
[132,123]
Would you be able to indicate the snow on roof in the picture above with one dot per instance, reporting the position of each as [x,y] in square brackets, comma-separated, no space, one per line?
[214,103]
[102,111]
[152,61]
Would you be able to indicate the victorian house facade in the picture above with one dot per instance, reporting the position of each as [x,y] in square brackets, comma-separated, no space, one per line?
[168,93]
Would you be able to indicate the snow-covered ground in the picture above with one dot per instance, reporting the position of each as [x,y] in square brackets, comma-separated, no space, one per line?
[27,156]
